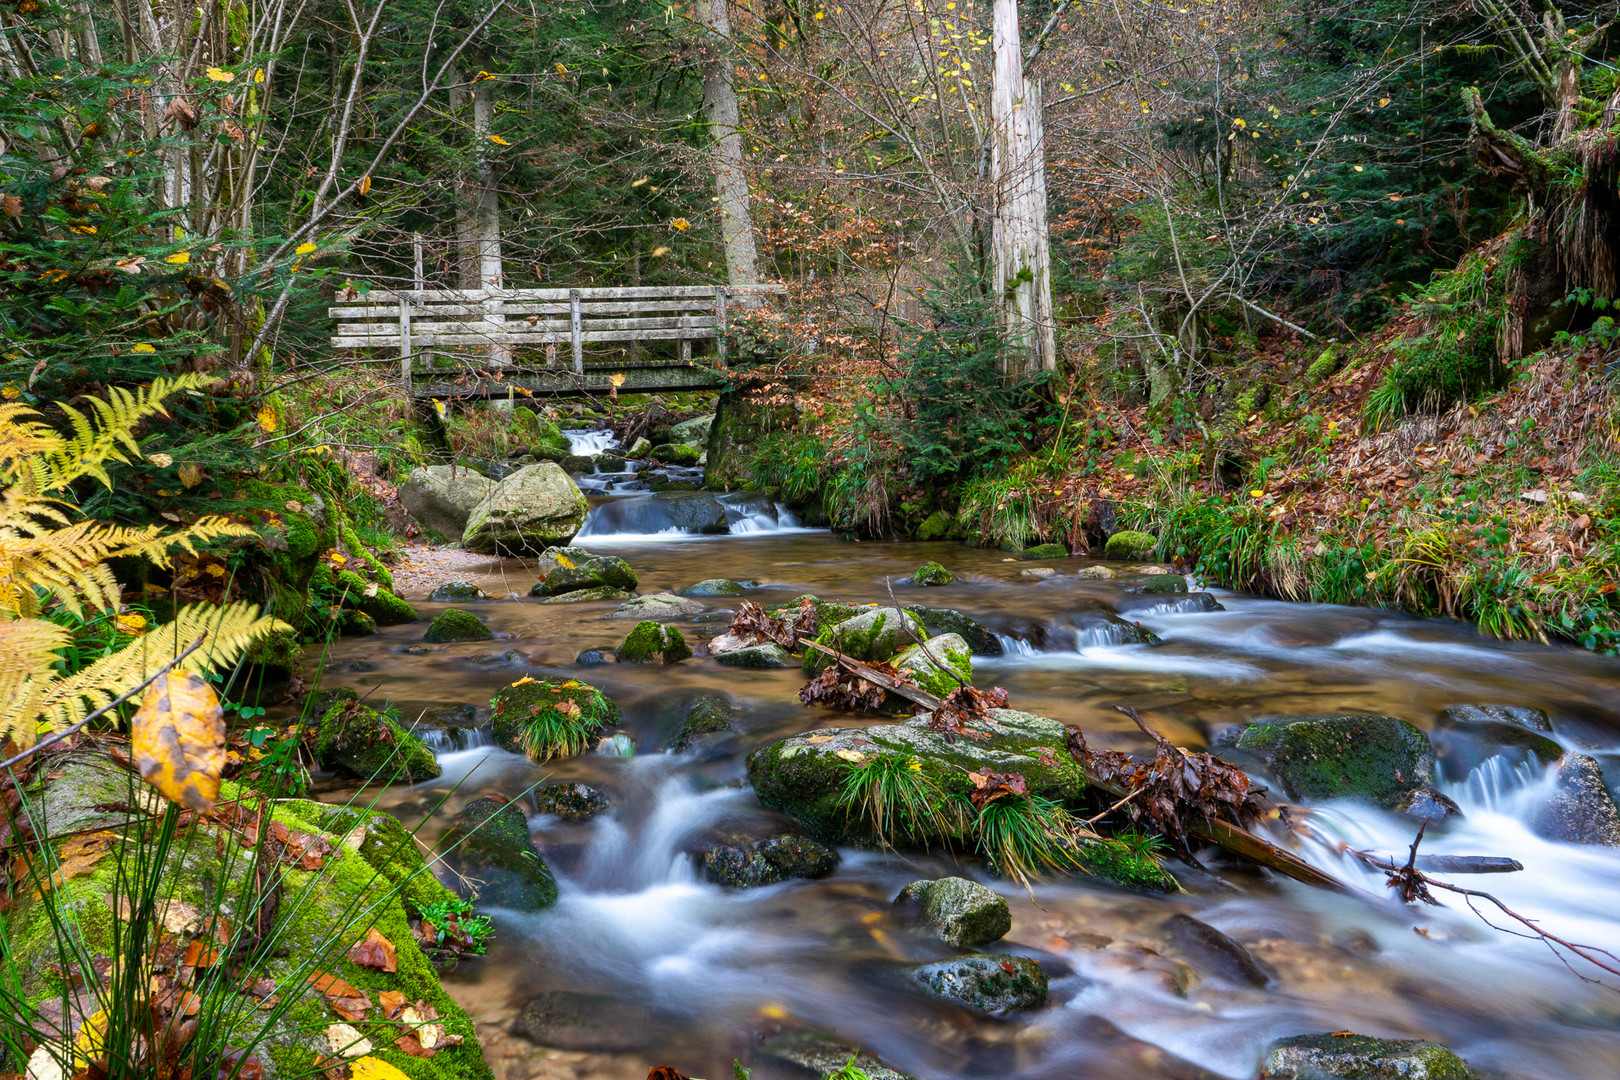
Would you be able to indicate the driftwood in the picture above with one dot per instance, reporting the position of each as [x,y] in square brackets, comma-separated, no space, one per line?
[876,677]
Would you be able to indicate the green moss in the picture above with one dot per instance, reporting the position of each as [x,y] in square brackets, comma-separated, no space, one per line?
[383,606]
[1165,583]
[871,634]
[490,843]
[936,526]
[546,718]
[677,454]
[1045,551]
[359,553]
[453,624]
[828,612]
[1325,364]
[367,744]
[1119,862]
[932,573]
[651,643]
[1377,758]
[1129,545]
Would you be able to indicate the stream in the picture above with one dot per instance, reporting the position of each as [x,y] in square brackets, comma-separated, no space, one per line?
[702,974]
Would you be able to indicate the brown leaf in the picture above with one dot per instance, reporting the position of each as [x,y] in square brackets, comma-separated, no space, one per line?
[408,1044]
[178,740]
[352,1009]
[391,1001]
[374,951]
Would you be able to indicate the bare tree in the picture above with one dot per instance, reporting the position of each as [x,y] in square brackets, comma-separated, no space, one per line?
[730,181]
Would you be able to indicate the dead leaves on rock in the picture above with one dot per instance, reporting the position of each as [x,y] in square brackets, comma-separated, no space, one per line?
[843,689]
[965,706]
[177,740]
[374,951]
[756,626]
[989,786]
[349,1002]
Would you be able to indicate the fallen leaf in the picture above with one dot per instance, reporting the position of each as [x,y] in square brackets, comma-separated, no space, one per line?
[374,951]
[815,740]
[346,1041]
[391,1001]
[177,740]
[370,1068]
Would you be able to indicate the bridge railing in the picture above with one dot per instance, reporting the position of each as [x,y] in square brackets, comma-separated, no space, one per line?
[502,320]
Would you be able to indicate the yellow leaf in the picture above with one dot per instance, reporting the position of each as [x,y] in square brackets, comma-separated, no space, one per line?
[191,474]
[268,421]
[131,622]
[306,248]
[852,755]
[220,75]
[438,407]
[91,1036]
[565,562]
[370,1068]
[498,141]
[526,680]
[365,185]
[11,393]
[1257,494]
[1382,102]
[85,230]
[1357,168]
[659,252]
[481,76]
[178,740]
[179,258]
[680,224]
[561,70]
[258,75]
[638,183]
[143,347]
[617,379]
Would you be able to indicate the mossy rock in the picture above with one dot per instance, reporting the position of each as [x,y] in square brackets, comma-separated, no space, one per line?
[932,573]
[769,861]
[1117,862]
[370,745]
[352,623]
[677,454]
[945,664]
[804,776]
[571,802]
[653,643]
[947,621]
[1376,759]
[710,714]
[1342,1056]
[1045,551]
[1325,364]
[457,592]
[271,666]
[936,526]
[989,983]
[367,879]
[1129,545]
[489,843]
[586,596]
[383,606]
[715,587]
[766,655]
[529,715]
[600,571]
[828,612]
[876,634]
[453,624]
[1164,584]
[964,913]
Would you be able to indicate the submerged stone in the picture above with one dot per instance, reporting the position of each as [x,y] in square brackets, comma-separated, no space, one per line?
[585,596]
[1342,1056]
[715,587]
[456,592]
[573,802]
[826,1057]
[570,1020]
[1374,758]
[1214,951]
[453,624]
[932,573]
[1162,584]
[1581,810]
[707,715]
[965,913]
[1045,551]
[1467,736]
[657,606]
[769,861]
[489,843]
[991,983]
[1095,573]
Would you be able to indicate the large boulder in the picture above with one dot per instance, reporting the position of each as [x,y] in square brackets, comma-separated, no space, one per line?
[1581,810]
[804,776]
[989,983]
[948,621]
[1466,736]
[692,511]
[964,913]
[1343,1056]
[1376,759]
[597,572]
[442,497]
[656,607]
[693,431]
[939,665]
[489,843]
[877,634]
[535,508]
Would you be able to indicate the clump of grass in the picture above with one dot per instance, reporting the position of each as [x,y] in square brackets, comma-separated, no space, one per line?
[1025,836]
[896,798]
[1132,858]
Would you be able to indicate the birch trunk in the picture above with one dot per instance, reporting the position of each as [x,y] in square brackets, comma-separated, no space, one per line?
[731,182]
[1020,253]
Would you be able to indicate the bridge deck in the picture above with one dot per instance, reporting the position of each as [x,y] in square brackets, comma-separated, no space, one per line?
[563,382]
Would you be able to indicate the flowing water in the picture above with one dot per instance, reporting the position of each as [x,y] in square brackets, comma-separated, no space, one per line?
[712,972]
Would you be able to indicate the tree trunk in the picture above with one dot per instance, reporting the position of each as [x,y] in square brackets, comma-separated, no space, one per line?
[731,183]
[468,269]
[1020,253]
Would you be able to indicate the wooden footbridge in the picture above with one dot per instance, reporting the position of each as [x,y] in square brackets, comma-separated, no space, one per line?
[491,343]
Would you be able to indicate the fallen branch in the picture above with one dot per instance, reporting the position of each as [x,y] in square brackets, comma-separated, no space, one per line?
[876,677]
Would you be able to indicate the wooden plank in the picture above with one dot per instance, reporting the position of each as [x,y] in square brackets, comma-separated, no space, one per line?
[448,311]
[405,341]
[576,334]
[479,339]
[720,324]
[466,296]
[563,382]
[390,330]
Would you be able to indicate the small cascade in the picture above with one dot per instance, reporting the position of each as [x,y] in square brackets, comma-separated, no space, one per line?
[669,514]
[1498,784]
[591,443]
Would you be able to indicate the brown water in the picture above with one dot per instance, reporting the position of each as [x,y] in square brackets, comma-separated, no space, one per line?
[716,971]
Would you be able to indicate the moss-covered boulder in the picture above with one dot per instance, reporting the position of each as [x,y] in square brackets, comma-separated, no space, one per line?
[715,587]
[571,802]
[947,621]
[556,558]
[828,612]
[939,665]
[454,624]
[767,655]
[876,634]
[677,453]
[1164,584]
[380,603]
[587,596]
[370,745]
[804,776]
[489,843]
[457,592]
[710,714]
[599,571]
[932,573]
[936,526]
[1342,1056]
[1045,551]
[1376,759]
[1130,545]
[993,984]
[534,508]
[371,875]
[442,497]
[547,718]
[654,643]
[964,913]
[766,862]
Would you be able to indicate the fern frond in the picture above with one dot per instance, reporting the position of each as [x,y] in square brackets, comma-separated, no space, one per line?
[229,630]
[111,434]
[27,448]
[27,653]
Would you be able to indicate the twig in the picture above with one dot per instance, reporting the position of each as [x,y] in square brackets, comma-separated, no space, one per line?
[119,700]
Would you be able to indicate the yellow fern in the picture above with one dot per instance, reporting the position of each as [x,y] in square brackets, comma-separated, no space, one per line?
[46,556]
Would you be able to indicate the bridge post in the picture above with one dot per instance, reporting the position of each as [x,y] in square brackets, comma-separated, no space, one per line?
[720,324]
[405,343]
[576,331]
